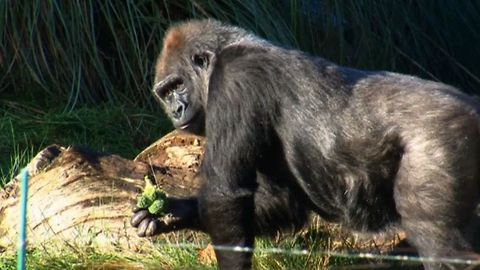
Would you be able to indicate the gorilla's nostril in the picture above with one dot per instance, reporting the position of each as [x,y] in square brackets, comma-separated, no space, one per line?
[179,110]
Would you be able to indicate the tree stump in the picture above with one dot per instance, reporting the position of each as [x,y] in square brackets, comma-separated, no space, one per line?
[76,194]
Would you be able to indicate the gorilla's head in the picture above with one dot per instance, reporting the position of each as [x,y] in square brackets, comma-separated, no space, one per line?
[184,67]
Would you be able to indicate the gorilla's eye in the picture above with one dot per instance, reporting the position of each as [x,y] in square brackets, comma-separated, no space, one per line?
[200,60]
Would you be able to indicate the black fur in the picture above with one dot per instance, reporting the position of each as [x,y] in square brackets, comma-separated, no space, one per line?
[289,134]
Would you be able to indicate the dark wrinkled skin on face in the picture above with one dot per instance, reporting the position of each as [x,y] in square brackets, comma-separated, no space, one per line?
[289,134]
[175,93]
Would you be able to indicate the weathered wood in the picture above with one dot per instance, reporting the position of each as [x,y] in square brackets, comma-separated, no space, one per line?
[87,197]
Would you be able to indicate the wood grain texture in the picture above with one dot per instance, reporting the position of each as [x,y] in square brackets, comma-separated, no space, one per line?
[77,195]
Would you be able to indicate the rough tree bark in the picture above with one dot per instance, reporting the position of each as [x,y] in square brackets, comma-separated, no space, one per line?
[76,194]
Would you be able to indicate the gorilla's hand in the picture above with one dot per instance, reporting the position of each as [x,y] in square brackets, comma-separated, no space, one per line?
[181,214]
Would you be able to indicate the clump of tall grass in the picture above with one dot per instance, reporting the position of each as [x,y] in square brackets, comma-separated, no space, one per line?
[80,51]
[436,39]
[91,51]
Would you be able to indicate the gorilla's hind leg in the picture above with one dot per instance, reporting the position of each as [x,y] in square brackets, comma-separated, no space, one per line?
[436,204]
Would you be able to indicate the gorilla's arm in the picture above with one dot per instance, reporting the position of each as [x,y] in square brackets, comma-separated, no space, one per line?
[276,208]
[236,201]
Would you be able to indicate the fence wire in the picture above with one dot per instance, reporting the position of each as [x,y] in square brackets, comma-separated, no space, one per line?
[339,254]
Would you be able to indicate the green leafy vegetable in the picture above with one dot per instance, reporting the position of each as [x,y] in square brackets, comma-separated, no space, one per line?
[153,198]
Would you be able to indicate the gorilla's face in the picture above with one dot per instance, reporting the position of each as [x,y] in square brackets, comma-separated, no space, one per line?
[181,82]
[184,68]
[179,96]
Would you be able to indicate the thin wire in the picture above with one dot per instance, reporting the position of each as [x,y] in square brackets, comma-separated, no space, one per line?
[303,252]
[23,221]
[21,252]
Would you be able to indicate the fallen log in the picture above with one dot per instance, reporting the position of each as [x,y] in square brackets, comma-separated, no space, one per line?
[80,196]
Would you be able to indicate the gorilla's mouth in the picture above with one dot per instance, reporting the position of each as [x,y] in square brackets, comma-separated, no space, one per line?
[188,122]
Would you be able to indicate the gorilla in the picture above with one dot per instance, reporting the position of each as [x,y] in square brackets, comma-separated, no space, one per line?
[290,134]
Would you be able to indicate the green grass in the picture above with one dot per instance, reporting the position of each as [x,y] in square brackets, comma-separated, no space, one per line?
[119,129]
[164,253]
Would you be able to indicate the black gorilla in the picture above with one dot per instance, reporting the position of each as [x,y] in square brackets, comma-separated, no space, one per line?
[288,134]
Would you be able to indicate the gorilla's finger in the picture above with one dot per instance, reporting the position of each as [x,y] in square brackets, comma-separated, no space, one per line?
[135,209]
[153,228]
[142,228]
[138,217]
